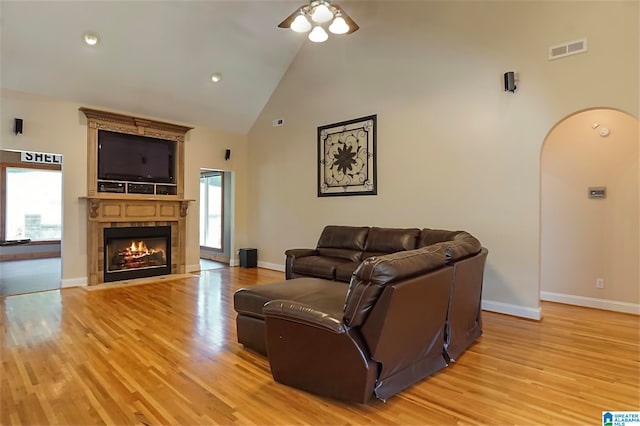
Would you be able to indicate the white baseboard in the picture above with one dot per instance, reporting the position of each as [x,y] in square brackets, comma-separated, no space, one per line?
[192,268]
[591,302]
[214,257]
[273,266]
[74,282]
[509,309]
[234,262]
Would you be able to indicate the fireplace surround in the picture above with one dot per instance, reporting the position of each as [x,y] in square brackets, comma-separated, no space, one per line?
[110,211]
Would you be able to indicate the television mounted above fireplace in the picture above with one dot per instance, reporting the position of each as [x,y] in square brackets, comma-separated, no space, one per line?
[135,158]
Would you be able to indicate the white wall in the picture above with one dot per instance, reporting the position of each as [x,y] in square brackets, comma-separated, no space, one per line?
[59,127]
[584,239]
[454,150]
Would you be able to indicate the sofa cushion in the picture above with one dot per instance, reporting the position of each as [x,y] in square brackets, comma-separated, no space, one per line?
[345,271]
[350,255]
[433,236]
[375,272]
[343,237]
[462,246]
[390,240]
[315,291]
[318,266]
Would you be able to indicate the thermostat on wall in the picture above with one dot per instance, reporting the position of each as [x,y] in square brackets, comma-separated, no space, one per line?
[597,192]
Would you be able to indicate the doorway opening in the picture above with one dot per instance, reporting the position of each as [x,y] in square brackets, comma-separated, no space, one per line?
[31,224]
[590,210]
[215,218]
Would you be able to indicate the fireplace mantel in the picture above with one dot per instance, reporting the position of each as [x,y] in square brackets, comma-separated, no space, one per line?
[120,210]
[117,208]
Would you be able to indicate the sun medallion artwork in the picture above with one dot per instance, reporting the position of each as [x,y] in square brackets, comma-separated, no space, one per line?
[347,158]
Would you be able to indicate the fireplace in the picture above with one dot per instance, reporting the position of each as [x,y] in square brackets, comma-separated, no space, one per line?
[136,252]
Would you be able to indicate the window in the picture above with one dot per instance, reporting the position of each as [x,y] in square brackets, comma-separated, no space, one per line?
[211,208]
[32,201]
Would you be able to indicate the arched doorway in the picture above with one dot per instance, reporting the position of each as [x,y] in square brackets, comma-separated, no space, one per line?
[589,243]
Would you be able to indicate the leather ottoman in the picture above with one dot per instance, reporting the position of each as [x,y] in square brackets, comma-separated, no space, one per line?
[249,301]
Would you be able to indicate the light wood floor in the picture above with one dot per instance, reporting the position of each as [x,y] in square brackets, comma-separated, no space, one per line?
[166,353]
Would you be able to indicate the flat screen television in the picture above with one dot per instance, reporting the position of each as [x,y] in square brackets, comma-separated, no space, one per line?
[125,157]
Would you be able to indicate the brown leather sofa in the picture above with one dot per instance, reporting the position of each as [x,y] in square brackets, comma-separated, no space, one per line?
[341,249]
[403,316]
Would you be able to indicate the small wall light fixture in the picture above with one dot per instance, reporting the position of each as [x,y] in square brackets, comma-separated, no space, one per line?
[510,81]
[227,154]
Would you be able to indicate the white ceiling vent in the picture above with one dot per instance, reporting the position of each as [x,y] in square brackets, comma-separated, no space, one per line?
[569,48]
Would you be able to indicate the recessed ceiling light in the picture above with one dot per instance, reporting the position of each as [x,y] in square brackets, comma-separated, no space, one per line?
[216,77]
[91,39]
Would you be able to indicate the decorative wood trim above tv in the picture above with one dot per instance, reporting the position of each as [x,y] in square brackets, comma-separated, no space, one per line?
[142,125]
[103,120]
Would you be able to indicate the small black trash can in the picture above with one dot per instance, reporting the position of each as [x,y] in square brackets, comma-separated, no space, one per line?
[248,257]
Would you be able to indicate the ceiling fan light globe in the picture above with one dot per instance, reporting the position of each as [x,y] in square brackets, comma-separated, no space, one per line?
[321,14]
[339,26]
[301,24]
[318,35]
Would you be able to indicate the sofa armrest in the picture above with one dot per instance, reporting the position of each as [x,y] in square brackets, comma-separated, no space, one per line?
[301,313]
[292,255]
[301,252]
[311,349]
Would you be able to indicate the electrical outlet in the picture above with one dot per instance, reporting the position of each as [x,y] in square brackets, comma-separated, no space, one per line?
[599,283]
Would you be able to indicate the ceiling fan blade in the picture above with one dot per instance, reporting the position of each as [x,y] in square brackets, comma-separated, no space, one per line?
[289,19]
[353,27]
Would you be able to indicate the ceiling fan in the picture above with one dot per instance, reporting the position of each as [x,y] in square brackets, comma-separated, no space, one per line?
[318,14]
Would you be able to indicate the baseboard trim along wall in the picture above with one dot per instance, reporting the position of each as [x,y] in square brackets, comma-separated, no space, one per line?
[74,282]
[509,309]
[192,268]
[591,302]
[273,266]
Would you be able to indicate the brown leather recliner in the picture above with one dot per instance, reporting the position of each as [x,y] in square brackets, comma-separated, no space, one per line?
[467,256]
[388,334]
[464,319]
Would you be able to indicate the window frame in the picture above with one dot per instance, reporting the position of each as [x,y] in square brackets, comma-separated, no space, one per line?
[3,195]
[210,173]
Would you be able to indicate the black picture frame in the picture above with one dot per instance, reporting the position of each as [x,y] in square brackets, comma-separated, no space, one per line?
[347,158]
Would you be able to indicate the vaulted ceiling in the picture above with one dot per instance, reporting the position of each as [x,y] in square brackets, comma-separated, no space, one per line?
[153,58]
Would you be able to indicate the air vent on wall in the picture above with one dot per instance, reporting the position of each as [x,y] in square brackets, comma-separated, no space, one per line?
[569,48]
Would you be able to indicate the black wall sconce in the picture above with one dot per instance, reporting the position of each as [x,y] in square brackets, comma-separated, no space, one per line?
[510,81]
[17,126]
[227,154]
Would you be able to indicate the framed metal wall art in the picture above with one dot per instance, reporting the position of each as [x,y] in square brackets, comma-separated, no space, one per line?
[347,158]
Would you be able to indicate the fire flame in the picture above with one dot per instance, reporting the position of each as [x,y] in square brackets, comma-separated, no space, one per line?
[137,255]
[139,247]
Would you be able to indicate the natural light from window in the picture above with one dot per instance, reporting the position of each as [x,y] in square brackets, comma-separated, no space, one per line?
[211,210]
[33,204]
